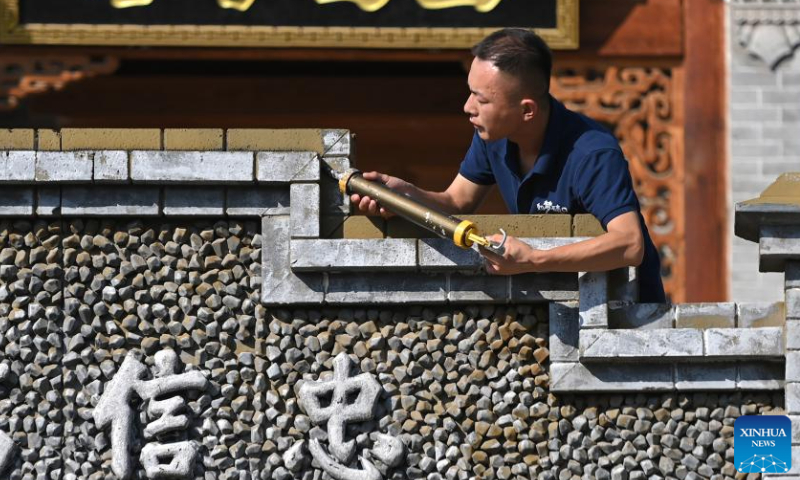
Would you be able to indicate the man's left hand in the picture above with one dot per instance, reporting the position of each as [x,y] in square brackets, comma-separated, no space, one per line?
[519,257]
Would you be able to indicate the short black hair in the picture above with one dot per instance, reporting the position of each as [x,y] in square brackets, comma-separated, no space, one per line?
[520,53]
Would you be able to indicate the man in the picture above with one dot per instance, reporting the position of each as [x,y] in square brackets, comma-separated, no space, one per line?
[545,159]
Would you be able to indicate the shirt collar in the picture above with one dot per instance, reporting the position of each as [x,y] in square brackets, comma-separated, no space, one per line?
[548,156]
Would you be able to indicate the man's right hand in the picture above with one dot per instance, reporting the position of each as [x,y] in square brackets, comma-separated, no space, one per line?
[370,206]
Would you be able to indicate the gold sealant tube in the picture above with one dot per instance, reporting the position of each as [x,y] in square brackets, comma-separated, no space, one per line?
[462,232]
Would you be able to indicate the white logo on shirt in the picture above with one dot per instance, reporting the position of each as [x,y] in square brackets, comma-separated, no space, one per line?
[548,207]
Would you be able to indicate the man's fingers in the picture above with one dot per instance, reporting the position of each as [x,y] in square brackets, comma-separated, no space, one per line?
[491,268]
[495,238]
[488,254]
[363,205]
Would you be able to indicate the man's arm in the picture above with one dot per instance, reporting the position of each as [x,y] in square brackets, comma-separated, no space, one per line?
[621,246]
[462,196]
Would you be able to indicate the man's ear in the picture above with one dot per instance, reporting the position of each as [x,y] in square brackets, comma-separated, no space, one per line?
[530,108]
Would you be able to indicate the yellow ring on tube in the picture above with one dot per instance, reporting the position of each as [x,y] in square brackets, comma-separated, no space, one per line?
[346,178]
[461,234]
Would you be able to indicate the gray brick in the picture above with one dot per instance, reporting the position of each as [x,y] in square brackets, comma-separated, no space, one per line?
[793,303]
[795,419]
[16,201]
[17,166]
[385,288]
[111,166]
[749,132]
[623,285]
[333,201]
[757,79]
[643,316]
[110,201]
[790,78]
[354,254]
[744,342]
[577,377]
[773,167]
[194,201]
[760,376]
[793,366]
[759,314]
[203,167]
[793,398]
[785,131]
[48,201]
[791,115]
[713,376]
[281,286]
[336,143]
[780,97]
[746,115]
[646,345]
[478,288]
[776,246]
[754,151]
[287,167]
[441,254]
[544,287]
[64,167]
[792,275]
[747,169]
[746,96]
[792,334]
[593,298]
[258,201]
[705,315]
[564,330]
[304,207]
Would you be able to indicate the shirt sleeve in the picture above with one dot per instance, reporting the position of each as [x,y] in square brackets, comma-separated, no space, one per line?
[476,166]
[604,186]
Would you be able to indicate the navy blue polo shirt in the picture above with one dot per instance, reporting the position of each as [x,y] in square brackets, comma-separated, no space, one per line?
[580,169]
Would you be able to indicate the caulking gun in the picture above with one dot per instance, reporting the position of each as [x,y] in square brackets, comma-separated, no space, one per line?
[463,233]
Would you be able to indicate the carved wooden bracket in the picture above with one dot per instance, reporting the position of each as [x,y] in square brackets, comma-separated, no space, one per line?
[25,75]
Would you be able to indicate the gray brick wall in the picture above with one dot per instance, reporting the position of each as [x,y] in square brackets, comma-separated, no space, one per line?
[764,141]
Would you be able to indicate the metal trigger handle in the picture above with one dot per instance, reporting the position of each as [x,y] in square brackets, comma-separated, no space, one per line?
[499,248]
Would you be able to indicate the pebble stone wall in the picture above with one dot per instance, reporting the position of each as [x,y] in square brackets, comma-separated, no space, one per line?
[465,388]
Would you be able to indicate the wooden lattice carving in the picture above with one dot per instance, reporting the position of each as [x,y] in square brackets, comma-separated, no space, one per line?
[23,76]
[639,106]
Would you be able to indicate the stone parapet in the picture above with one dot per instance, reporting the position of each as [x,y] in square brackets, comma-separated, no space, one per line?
[468,372]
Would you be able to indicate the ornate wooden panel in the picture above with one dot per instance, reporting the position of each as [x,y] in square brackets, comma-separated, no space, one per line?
[21,76]
[642,107]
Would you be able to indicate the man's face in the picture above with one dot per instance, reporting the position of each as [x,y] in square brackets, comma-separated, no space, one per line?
[493,105]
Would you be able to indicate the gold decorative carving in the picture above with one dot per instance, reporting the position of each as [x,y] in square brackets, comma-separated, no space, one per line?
[564,36]
[130,3]
[366,5]
[23,76]
[241,5]
[480,5]
[639,106]
[374,5]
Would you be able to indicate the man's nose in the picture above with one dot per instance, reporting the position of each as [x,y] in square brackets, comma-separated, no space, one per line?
[468,106]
